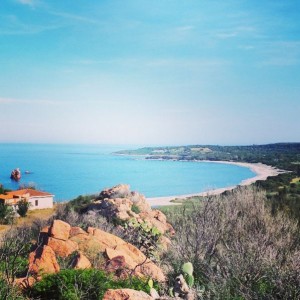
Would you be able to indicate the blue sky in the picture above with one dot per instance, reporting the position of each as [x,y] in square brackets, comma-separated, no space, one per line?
[150,72]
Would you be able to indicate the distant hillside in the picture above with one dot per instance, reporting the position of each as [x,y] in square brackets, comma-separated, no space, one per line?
[283,190]
[281,155]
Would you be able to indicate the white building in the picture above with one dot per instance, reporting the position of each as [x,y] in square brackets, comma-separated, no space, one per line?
[37,199]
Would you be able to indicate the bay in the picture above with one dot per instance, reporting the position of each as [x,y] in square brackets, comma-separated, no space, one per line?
[71,170]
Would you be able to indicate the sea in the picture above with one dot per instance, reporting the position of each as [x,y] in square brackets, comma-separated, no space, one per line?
[68,171]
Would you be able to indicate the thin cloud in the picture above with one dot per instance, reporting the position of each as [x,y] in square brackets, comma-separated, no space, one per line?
[28,101]
[186,63]
[8,101]
[281,62]
[14,26]
[246,47]
[226,35]
[30,30]
[155,63]
[95,61]
[273,51]
[74,17]
[27,2]
[238,31]
[185,28]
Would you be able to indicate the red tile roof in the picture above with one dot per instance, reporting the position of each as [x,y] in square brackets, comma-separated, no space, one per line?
[33,193]
[23,192]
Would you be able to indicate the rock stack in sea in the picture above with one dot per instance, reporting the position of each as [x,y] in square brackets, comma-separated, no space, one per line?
[15,174]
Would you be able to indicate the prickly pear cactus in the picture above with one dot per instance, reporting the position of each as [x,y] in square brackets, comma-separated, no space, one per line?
[188,270]
[150,283]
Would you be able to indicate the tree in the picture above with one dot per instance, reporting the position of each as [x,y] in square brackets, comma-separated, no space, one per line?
[14,249]
[22,208]
[6,214]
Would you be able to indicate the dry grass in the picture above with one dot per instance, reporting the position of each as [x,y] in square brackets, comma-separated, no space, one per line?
[32,216]
[239,250]
[3,227]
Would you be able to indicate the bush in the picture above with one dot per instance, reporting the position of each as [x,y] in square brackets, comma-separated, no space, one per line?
[8,291]
[83,220]
[135,209]
[7,214]
[144,236]
[78,204]
[22,208]
[81,285]
[14,249]
[238,249]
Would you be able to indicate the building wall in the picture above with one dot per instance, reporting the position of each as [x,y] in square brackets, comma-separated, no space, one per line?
[43,202]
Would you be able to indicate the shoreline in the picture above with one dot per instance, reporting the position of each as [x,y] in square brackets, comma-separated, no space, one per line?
[261,170]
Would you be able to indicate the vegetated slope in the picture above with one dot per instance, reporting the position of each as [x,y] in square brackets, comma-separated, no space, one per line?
[281,155]
[239,250]
[283,190]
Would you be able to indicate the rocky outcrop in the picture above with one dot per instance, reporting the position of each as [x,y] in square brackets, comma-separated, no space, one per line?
[25,282]
[118,191]
[82,262]
[126,294]
[135,260]
[122,204]
[60,230]
[61,240]
[116,265]
[75,231]
[157,219]
[62,248]
[15,174]
[43,261]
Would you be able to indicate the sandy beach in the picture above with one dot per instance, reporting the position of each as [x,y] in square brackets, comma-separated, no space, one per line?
[262,172]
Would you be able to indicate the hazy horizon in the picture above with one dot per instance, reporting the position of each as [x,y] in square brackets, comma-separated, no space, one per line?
[137,145]
[150,73]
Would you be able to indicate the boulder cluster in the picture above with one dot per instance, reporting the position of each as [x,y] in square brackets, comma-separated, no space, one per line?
[120,203]
[62,240]
[95,248]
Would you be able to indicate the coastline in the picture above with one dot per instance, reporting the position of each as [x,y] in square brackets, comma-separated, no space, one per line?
[262,172]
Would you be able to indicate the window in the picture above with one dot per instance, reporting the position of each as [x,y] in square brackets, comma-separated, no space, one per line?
[36,202]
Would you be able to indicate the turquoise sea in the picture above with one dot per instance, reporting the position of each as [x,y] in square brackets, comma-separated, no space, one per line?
[71,170]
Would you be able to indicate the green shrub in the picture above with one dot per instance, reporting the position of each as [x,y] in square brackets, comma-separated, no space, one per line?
[7,214]
[22,208]
[81,285]
[135,209]
[144,236]
[67,262]
[8,291]
[15,247]
[78,204]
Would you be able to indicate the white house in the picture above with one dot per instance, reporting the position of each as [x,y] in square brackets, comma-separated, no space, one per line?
[37,199]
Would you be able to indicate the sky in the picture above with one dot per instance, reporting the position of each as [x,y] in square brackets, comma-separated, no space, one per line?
[152,72]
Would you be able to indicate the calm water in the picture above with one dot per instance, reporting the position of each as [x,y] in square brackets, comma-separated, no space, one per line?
[71,170]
